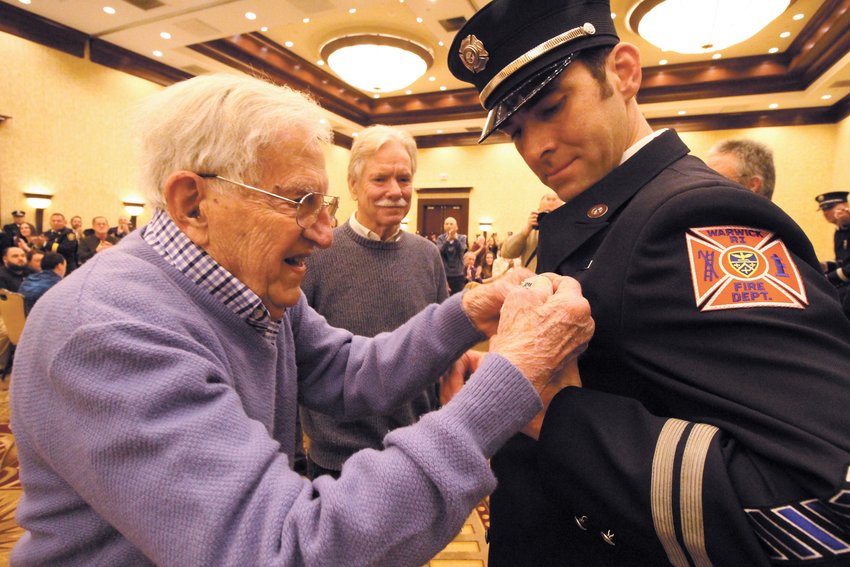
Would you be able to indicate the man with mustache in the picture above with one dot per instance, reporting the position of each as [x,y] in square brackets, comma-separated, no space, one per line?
[372,264]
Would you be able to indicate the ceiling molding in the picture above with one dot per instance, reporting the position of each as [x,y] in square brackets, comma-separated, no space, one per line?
[822,43]
[118,58]
[40,30]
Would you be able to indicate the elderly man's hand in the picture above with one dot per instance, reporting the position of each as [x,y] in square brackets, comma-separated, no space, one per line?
[543,328]
[458,373]
[483,303]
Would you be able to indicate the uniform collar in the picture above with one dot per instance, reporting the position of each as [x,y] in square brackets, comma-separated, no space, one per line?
[569,226]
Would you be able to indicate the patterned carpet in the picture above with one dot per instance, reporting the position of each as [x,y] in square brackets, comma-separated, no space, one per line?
[469,548]
[10,485]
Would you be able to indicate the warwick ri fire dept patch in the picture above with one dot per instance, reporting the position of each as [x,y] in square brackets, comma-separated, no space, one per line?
[735,267]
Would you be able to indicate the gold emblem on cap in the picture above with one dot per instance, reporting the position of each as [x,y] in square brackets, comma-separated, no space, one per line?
[473,54]
[570,35]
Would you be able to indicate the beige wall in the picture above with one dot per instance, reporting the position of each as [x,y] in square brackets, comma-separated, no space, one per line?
[68,136]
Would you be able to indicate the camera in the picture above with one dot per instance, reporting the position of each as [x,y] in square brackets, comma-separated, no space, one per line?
[540,216]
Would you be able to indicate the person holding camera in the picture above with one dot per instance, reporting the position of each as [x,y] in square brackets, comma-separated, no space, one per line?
[523,244]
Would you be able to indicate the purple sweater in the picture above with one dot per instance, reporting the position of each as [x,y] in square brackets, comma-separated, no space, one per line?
[154,426]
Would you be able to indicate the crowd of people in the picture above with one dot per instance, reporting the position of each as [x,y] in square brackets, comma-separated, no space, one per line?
[669,387]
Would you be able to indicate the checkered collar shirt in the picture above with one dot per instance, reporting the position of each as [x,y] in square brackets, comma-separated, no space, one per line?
[193,261]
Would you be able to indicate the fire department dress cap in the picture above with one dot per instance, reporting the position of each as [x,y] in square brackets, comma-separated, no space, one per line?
[828,200]
[511,49]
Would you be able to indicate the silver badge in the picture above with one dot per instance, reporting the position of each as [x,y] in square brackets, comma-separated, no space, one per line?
[473,54]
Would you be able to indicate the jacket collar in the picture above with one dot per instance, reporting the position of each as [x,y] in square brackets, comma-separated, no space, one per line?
[566,228]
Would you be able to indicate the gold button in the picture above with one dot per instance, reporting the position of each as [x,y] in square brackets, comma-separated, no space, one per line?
[597,211]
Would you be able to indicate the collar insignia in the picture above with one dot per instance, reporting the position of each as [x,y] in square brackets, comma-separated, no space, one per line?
[473,55]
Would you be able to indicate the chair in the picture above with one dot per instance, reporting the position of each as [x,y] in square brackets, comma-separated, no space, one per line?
[12,312]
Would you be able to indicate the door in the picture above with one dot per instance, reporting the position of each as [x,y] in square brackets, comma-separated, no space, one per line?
[433,212]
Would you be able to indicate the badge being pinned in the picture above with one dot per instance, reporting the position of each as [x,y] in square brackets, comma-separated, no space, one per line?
[733,267]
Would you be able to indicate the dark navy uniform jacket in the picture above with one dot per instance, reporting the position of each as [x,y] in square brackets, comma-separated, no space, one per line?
[713,427]
[64,242]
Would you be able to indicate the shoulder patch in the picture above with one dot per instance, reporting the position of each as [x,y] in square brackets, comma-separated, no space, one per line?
[72,236]
[734,267]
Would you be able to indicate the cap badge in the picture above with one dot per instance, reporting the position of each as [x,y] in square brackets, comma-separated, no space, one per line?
[473,54]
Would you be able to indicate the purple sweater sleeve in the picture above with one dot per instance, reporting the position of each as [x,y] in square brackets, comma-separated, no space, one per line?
[136,447]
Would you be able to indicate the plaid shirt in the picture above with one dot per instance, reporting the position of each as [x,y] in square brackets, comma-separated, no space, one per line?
[175,247]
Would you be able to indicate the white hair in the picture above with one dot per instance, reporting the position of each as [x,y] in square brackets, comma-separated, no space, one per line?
[219,124]
[370,141]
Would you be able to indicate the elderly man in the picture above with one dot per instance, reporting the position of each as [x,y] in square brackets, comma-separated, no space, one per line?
[155,419]
[747,162]
[98,241]
[523,244]
[712,425]
[373,279]
[452,247]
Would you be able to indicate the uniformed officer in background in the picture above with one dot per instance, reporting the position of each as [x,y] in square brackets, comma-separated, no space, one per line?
[62,239]
[835,210]
[709,422]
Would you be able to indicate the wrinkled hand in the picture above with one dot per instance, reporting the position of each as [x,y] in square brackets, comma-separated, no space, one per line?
[456,376]
[544,327]
[103,246]
[532,223]
[483,304]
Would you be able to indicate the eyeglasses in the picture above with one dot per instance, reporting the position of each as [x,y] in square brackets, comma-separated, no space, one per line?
[307,208]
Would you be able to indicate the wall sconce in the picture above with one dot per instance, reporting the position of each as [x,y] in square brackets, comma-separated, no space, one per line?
[485,227]
[39,202]
[134,210]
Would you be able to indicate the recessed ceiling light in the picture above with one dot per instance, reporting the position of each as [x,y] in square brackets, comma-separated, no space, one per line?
[264,29]
[443,87]
[157,52]
[352,10]
[165,35]
[798,17]
[320,62]
[323,121]
[717,56]
[682,112]
[439,131]
[419,20]
[773,106]
[432,79]
[613,15]
[25,1]
[376,95]
[773,50]
[250,16]
[826,97]
[288,43]
[785,34]
[109,10]
[663,62]
[355,134]
[440,43]
[306,20]
[408,91]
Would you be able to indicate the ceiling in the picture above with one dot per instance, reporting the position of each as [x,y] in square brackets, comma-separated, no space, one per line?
[807,79]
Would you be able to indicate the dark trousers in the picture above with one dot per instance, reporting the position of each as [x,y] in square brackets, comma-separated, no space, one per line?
[456,283]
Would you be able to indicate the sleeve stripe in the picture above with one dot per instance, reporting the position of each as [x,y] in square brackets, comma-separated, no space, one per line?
[662,490]
[693,467]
